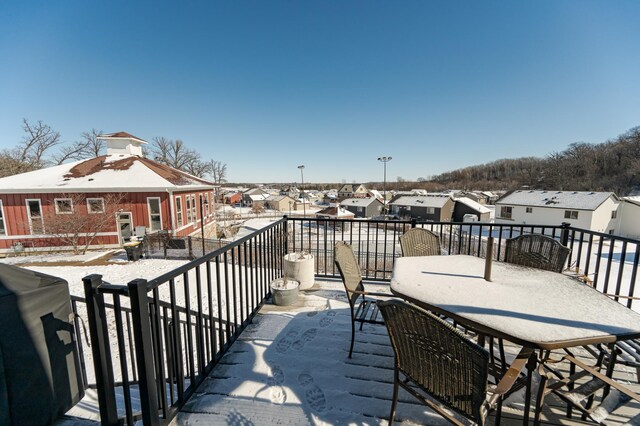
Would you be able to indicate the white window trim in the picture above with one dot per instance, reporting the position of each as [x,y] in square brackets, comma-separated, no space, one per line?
[159,212]
[89,208]
[26,203]
[528,210]
[179,212]
[55,203]
[194,210]
[571,214]
[4,232]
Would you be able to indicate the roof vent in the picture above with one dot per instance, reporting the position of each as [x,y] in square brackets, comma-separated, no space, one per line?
[123,143]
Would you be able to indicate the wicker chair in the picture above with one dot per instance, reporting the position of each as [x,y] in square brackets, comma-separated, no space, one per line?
[537,251]
[438,360]
[365,310]
[420,242]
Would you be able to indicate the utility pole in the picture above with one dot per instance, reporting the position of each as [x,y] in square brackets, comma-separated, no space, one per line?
[384,160]
[304,205]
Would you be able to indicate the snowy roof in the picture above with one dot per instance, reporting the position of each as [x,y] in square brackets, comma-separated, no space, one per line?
[422,201]
[580,200]
[107,173]
[360,202]
[632,199]
[121,135]
[336,212]
[470,203]
[258,197]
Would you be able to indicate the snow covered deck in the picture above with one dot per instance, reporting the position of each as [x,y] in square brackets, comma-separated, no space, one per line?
[291,367]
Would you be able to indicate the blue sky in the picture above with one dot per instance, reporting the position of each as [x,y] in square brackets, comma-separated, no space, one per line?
[267,85]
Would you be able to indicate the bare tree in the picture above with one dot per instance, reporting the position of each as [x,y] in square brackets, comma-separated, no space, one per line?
[197,168]
[76,223]
[218,171]
[173,153]
[30,153]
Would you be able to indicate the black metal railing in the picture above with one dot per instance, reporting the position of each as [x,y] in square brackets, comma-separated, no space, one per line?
[608,262]
[171,331]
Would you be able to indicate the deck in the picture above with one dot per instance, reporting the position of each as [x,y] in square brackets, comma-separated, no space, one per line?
[291,367]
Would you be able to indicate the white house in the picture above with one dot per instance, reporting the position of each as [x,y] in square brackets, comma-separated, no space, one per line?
[596,211]
[629,217]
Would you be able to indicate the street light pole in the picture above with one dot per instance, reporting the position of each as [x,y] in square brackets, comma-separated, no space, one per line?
[304,206]
[384,160]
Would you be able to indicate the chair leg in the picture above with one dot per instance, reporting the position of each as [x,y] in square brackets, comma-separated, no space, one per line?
[540,398]
[353,333]
[394,401]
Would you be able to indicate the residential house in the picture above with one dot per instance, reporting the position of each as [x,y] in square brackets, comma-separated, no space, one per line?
[253,195]
[136,194]
[363,207]
[629,217]
[334,212]
[352,190]
[596,211]
[435,208]
[466,209]
[282,203]
[232,197]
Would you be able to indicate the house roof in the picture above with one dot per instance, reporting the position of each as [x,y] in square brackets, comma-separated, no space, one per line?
[421,201]
[107,173]
[336,212]
[472,204]
[121,135]
[579,200]
[633,199]
[360,202]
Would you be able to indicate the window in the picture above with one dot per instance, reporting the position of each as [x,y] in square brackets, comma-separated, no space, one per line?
[188,201]
[63,205]
[34,213]
[571,214]
[3,231]
[614,214]
[529,210]
[194,214]
[95,205]
[206,204]
[506,212]
[431,210]
[179,211]
[155,218]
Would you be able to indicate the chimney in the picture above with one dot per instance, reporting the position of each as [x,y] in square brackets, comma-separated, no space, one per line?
[123,143]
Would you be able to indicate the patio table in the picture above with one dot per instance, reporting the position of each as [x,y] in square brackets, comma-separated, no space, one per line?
[532,308]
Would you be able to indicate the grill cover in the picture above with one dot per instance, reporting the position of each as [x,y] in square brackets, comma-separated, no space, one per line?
[40,375]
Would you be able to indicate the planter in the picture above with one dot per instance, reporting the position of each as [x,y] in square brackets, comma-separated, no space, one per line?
[300,267]
[284,294]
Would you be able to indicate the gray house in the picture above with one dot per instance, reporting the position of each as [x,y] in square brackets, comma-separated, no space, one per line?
[466,207]
[435,208]
[362,207]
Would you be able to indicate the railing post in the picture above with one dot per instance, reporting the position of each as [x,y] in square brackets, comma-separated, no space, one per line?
[190,247]
[100,349]
[413,222]
[564,234]
[144,351]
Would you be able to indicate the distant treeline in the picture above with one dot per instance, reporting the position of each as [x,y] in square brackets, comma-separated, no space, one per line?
[610,166]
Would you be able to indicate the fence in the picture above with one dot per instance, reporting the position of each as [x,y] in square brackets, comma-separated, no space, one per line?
[168,333]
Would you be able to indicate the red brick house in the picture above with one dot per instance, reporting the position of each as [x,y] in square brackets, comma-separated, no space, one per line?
[136,195]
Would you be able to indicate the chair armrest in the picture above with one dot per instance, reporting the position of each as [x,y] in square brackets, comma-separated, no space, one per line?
[372,293]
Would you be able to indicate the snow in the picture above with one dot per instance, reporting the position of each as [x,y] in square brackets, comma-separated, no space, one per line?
[532,305]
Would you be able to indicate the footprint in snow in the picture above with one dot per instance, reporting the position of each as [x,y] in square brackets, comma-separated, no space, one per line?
[312,393]
[327,319]
[307,336]
[285,342]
